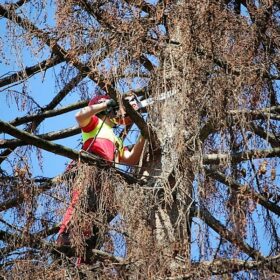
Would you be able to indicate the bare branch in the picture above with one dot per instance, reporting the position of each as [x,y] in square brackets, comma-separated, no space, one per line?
[44,144]
[30,71]
[106,256]
[55,135]
[48,113]
[38,119]
[59,51]
[245,190]
[212,222]
[18,4]
[226,266]
[267,136]
[264,113]
[241,156]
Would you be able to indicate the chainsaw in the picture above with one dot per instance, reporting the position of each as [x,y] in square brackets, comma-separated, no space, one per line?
[137,103]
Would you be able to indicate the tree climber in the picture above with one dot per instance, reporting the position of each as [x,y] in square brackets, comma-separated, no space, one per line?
[96,122]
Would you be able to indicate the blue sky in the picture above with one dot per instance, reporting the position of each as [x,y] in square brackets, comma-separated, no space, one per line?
[42,89]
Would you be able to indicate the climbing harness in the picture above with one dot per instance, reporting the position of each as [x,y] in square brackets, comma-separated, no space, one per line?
[118,143]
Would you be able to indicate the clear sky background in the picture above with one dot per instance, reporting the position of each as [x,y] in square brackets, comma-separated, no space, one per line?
[42,89]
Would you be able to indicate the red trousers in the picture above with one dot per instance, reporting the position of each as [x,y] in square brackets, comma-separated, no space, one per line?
[69,212]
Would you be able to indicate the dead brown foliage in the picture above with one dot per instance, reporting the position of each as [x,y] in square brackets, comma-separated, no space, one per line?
[204,200]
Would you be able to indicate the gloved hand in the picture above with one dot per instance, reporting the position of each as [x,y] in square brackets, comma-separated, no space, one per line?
[112,104]
[112,107]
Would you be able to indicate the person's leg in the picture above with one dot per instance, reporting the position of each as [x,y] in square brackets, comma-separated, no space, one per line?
[63,233]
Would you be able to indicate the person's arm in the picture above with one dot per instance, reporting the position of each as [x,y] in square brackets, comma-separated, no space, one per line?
[132,157]
[84,115]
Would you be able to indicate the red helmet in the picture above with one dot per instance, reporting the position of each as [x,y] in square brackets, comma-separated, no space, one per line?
[98,99]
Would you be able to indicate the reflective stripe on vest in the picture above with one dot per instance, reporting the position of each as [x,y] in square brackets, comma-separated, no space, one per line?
[106,131]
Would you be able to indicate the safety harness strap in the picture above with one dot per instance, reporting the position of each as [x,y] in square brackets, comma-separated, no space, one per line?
[107,133]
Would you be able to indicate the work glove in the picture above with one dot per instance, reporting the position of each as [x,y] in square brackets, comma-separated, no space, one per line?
[112,104]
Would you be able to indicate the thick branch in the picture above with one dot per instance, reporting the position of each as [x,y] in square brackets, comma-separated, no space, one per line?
[48,113]
[58,149]
[225,266]
[61,134]
[36,121]
[44,144]
[101,255]
[274,141]
[211,126]
[146,63]
[59,51]
[137,118]
[45,232]
[241,156]
[272,112]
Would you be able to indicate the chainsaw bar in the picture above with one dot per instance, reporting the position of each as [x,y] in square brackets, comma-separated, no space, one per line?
[139,104]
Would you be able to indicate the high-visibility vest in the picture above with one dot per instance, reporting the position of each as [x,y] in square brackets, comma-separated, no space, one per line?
[103,130]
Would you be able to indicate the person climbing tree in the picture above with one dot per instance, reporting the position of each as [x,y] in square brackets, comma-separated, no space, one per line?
[96,122]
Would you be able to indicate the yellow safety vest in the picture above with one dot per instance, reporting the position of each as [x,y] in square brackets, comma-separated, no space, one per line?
[103,130]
